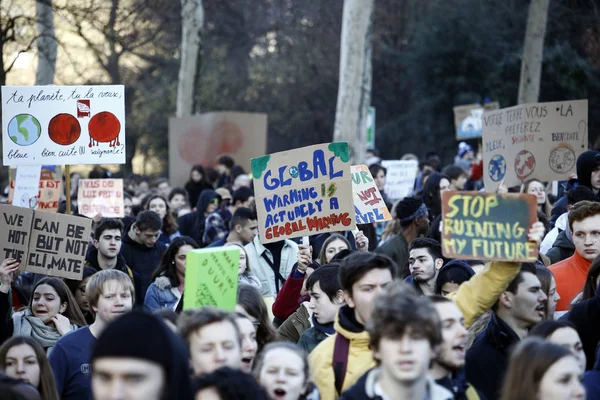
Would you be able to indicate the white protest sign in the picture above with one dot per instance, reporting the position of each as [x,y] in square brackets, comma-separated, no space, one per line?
[529,141]
[368,203]
[27,182]
[400,178]
[100,196]
[63,125]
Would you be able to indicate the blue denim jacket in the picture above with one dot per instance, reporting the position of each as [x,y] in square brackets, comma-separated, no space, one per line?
[161,294]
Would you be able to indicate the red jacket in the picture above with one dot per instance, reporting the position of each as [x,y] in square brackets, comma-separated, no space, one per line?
[288,298]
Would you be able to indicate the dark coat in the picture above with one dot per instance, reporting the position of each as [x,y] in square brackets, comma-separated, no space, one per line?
[458,385]
[582,315]
[487,359]
[591,380]
[562,248]
[310,338]
[193,224]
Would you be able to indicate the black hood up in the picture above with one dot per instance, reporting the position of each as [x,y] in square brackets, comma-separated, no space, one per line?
[586,164]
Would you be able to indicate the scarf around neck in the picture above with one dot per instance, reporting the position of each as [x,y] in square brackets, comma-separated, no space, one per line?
[25,324]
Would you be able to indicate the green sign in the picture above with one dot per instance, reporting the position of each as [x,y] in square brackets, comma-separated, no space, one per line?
[371,128]
[211,278]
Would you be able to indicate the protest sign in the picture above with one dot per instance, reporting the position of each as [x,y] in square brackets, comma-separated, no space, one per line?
[368,204]
[303,192]
[540,141]
[211,278]
[488,226]
[240,135]
[26,183]
[63,125]
[467,119]
[48,194]
[371,128]
[58,244]
[100,196]
[400,178]
[14,237]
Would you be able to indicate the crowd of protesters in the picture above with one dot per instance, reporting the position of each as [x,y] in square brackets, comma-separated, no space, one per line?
[375,314]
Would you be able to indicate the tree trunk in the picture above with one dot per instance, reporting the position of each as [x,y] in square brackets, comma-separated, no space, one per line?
[354,90]
[533,49]
[46,43]
[192,15]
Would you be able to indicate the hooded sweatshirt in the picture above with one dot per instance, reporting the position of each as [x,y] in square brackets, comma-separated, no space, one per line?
[193,224]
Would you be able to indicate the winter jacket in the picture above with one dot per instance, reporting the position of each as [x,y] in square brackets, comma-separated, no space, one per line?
[142,260]
[561,224]
[261,268]
[195,189]
[460,388]
[360,357]
[487,359]
[161,294]
[395,248]
[591,381]
[562,248]
[292,328]
[289,297]
[193,224]
[366,388]
[560,205]
[477,295]
[582,315]
[570,276]
[248,278]
[310,338]
[411,281]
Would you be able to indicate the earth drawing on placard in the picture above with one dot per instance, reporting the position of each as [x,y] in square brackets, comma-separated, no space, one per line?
[104,127]
[64,129]
[24,129]
[524,164]
[497,168]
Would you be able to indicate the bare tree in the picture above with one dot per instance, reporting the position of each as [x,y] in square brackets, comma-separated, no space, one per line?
[533,50]
[46,43]
[354,90]
[192,17]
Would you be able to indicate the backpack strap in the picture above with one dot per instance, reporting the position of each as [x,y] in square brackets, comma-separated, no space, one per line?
[341,349]
[278,278]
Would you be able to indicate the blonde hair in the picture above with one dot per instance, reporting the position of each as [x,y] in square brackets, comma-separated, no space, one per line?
[94,287]
[241,246]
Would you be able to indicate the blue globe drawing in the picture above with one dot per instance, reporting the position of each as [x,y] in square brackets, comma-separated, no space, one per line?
[294,172]
[497,168]
[24,129]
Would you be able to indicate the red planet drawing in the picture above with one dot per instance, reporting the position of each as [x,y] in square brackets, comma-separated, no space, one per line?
[104,127]
[64,129]
[203,144]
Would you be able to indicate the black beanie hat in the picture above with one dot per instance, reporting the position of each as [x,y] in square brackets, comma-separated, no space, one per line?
[407,206]
[457,271]
[586,164]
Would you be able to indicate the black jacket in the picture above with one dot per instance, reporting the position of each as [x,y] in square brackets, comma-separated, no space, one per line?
[562,248]
[192,224]
[142,260]
[458,385]
[487,359]
[583,315]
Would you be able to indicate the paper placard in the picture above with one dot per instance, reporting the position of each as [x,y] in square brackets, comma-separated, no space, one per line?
[58,244]
[468,119]
[487,226]
[528,141]
[400,178]
[368,204]
[63,125]
[48,195]
[100,196]
[303,192]
[14,236]
[27,184]
[211,278]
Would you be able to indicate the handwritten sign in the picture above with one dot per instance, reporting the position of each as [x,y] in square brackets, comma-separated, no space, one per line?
[58,244]
[368,204]
[48,194]
[63,125]
[303,192]
[488,226]
[14,236]
[400,178]
[211,278]
[100,196]
[468,119]
[539,141]
[25,193]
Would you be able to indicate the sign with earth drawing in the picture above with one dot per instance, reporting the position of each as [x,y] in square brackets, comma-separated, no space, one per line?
[63,125]
[540,141]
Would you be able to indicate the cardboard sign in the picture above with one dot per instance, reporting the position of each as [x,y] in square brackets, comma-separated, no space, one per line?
[63,125]
[14,236]
[25,193]
[468,119]
[211,278]
[539,141]
[240,135]
[400,178]
[368,204]
[487,226]
[100,196]
[303,192]
[58,244]
[48,194]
